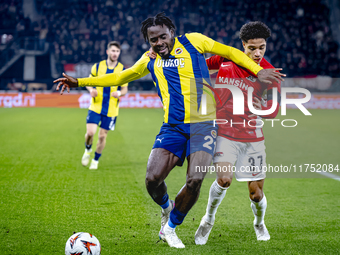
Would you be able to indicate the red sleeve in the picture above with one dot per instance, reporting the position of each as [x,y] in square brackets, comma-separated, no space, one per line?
[214,62]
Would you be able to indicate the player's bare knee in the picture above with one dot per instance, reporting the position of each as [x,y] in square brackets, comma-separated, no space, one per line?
[102,138]
[153,180]
[224,181]
[256,195]
[90,133]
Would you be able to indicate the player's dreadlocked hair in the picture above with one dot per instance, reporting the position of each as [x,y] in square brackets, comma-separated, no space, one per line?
[253,30]
[160,19]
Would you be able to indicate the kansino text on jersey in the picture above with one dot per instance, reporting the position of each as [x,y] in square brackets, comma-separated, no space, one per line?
[256,123]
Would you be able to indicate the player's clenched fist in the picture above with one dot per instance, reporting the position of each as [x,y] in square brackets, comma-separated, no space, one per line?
[66,82]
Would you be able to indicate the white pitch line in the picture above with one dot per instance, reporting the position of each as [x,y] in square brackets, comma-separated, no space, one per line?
[329,175]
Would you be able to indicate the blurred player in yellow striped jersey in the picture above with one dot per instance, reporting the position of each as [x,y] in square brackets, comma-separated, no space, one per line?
[104,104]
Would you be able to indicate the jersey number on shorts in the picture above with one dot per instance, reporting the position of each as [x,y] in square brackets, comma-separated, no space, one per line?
[209,142]
[251,160]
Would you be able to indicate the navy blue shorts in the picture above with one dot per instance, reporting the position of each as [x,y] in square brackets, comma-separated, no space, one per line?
[184,139]
[106,122]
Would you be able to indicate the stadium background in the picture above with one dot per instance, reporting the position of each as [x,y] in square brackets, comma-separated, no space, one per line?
[46,194]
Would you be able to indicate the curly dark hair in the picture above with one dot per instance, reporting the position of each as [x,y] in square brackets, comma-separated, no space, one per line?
[159,20]
[254,30]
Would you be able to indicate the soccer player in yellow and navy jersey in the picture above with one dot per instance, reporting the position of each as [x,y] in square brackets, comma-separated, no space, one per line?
[104,104]
[181,77]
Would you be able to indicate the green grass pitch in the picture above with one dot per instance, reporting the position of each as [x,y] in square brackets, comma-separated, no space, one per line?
[46,194]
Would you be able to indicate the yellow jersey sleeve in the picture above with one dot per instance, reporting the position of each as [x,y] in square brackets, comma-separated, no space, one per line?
[235,55]
[201,42]
[138,70]
[205,44]
[94,70]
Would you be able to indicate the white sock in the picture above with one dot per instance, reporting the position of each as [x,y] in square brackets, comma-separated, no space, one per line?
[88,151]
[216,195]
[259,210]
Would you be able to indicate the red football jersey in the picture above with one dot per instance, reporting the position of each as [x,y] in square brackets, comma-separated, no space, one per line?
[238,127]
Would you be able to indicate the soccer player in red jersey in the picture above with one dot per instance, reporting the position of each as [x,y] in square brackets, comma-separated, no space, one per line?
[240,137]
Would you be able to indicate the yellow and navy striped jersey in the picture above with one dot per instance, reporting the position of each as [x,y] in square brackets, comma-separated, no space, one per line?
[103,103]
[182,80]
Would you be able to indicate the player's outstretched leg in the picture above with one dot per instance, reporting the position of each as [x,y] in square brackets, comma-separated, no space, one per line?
[217,192]
[100,147]
[216,195]
[90,131]
[160,163]
[258,205]
[186,198]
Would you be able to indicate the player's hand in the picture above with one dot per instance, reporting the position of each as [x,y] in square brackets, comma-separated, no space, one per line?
[115,94]
[66,82]
[151,54]
[266,75]
[257,105]
[94,93]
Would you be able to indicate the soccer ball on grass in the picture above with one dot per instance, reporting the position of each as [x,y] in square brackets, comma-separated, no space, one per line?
[82,243]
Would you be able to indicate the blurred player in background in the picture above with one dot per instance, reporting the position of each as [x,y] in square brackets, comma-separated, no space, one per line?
[104,104]
[241,143]
[178,72]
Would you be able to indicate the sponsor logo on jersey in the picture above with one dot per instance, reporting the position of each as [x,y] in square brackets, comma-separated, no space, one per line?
[219,154]
[178,51]
[233,82]
[177,62]
[251,78]
[213,133]
[255,174]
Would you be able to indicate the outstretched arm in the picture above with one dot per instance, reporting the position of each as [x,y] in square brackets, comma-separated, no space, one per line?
[239,58]
[135,72]
[205,44]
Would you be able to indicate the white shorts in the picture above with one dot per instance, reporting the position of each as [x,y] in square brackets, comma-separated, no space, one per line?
[249,157]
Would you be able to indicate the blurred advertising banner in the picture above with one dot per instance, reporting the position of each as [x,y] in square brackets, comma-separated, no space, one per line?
[319,101]
[131,100]
[75,100]
[313,83]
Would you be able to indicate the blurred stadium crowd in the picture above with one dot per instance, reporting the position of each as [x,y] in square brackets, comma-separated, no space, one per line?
[302,42]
